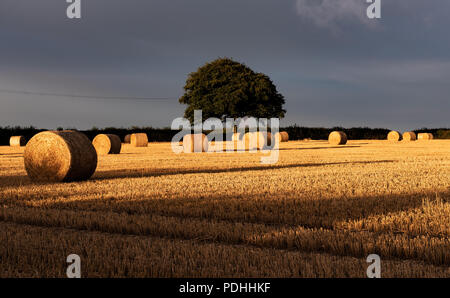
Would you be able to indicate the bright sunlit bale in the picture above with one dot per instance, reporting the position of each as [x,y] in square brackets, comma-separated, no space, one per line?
[257,140]
[394,136]
[425,136]
[337,138]
[139,140]
[107,144]
[17,141]
[284,136]
[60,156]
[195,143]
[409,136]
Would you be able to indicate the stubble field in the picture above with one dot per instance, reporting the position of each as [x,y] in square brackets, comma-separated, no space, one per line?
[319,212]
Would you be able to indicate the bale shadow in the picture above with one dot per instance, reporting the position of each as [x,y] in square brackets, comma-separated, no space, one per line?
[23,180]
[287,149]
[118,174]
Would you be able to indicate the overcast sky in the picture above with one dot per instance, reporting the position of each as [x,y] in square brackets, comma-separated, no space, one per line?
[334,66]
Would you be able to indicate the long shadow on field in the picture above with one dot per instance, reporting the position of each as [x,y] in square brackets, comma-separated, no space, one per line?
[282,209]
[316,148]
[225,220]
[116,174]
[18,180]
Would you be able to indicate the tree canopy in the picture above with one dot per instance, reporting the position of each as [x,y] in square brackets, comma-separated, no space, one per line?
[227,89]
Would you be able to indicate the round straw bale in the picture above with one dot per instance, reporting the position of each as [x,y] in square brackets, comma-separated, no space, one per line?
[195,143]
[425,136]
[409,136]
[257,140]
[107,144]
[284,136]
[127,139]
[60,156]
[394,136]
[337,138]
[17,141]
[278,137]
[253,141]
[139,140]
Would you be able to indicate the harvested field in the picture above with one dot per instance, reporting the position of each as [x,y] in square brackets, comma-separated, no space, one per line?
[319,212]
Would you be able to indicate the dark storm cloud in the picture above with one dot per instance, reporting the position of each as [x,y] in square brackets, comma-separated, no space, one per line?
[334,66]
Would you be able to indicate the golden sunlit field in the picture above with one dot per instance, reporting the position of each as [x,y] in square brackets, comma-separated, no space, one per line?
[319,212]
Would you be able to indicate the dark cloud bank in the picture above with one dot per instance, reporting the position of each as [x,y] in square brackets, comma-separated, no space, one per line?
[334,66]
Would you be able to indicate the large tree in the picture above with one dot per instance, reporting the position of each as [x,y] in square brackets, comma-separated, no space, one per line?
[227,89]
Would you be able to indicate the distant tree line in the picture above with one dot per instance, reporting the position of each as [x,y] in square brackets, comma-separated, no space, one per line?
[166,134]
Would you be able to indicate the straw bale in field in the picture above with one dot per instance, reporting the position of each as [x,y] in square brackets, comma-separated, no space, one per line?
[257,140]
[425,136]
[394,136]
[17,141]
[409,136]
[282,136]
[107,144]
[337,138]
[195,143]
[139,140]
[60,156]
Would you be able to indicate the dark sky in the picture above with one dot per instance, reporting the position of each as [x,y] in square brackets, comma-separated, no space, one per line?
[333,65]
